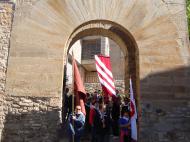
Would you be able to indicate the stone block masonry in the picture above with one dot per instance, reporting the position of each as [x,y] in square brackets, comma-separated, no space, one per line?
[161,123]
[23,118]
[39,34]
[30,119]
[92,87]
[6,14]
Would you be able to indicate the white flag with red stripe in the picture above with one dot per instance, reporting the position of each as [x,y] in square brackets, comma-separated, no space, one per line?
[105,76]
[133,114]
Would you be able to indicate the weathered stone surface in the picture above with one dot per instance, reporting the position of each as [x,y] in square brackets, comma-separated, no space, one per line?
[163,123]
[38,49]
[92,87]
[146,20]
[27,122]
[6,14]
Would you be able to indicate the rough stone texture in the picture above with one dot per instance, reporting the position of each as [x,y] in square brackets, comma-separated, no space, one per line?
[23,118]
[177,9]
[2,114]
[31,119]
[92,87]
[165,106]
[165,95]
[6,13]
[45,26]
[41,29]
[165,121]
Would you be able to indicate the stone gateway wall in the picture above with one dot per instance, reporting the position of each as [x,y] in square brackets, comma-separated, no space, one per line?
[92,87]
[6,15]
[22,118]
[34,42]
[165,89]
[31,119]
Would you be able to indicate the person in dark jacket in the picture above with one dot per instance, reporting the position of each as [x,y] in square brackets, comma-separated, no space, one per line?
[67,104]
[77,129]
[115,116]
[102,124]
[91,119]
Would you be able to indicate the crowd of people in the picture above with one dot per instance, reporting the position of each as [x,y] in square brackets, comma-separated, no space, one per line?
[105,117]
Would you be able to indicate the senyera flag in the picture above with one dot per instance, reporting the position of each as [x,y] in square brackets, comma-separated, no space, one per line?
[105,76]
[133,115]
[79,90]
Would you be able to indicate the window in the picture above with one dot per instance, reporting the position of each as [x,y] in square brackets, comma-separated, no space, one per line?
[90,48]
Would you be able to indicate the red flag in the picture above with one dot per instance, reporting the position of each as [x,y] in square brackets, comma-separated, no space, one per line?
[105,76]
[79,90]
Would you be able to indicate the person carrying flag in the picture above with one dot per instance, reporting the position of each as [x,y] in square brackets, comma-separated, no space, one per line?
[79,120]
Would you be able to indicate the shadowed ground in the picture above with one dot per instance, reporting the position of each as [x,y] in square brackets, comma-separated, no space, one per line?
[86,137]
[65,139]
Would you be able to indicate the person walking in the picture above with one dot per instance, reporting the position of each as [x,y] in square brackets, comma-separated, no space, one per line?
[101,124]
[91,119]
[115,116]
[67,105]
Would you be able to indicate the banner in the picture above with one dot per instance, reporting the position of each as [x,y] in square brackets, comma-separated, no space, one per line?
[79,90]
[105,76]
[133,114]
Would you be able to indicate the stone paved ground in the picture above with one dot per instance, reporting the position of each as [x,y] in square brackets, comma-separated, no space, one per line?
[86,137]
[88,140]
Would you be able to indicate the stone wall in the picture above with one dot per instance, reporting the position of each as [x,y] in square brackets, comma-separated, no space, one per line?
[92,87]
[30,119]
[165,122]
[177,8]
[165,108]
[165,94]
[6,14]
[41,30]
[25,119]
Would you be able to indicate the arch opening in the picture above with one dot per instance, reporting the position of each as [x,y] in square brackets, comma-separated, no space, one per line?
[120,36]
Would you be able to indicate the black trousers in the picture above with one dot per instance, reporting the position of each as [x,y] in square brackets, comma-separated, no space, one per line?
[126,138]
[115,128]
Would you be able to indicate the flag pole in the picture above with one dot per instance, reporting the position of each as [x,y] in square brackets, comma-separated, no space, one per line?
[73,86]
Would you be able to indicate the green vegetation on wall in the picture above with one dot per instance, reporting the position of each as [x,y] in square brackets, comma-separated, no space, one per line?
[188,14]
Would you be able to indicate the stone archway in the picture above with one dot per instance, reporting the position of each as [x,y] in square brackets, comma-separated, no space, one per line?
[42,30]
[40,37]
[125,41]
[123,38]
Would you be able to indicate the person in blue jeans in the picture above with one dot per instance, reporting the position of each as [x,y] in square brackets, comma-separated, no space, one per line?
[78,127]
